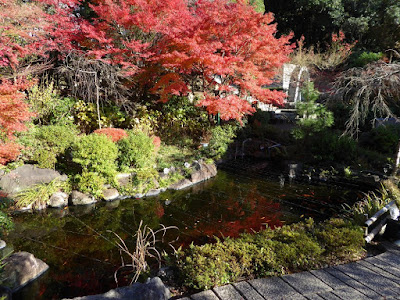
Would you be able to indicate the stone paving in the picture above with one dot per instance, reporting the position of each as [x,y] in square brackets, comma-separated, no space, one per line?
[376,277]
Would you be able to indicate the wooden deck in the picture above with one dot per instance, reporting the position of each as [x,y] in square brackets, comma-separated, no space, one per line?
[375,277]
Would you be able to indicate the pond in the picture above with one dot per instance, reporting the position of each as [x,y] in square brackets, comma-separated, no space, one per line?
[79,245]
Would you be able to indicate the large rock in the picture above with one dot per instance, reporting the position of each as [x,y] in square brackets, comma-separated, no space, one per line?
[27,176]
[58,199]
[184,183]
[110,194]
[20,269]
[154,192]
[124,179]
[78,198]
[203,172]
[153,289]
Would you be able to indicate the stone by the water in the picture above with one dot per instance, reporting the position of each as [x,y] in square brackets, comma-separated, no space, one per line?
[153,289]
[21,268]
[110,194]
[27,176]
[78,198]
[58,199]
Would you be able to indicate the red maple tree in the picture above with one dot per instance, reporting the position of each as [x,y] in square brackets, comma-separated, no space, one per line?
[21,36]
[225,50]
[13,115]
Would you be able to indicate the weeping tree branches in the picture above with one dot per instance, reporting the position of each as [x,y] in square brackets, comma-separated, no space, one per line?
[369,91]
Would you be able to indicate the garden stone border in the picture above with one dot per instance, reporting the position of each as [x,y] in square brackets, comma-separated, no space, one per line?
[201,171]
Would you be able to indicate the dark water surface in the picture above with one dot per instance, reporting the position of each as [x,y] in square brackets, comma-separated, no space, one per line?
[78,246]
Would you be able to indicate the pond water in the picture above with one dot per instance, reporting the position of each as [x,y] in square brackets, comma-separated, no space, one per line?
[79,246]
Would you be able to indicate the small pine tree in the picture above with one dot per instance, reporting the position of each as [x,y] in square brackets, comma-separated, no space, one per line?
[314,117]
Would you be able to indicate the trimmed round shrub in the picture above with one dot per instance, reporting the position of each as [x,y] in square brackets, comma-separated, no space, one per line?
[45,144]
[96,153]
[90,183]
[136,151]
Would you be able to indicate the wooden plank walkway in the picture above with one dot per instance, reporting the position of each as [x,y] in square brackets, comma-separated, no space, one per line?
[376,277]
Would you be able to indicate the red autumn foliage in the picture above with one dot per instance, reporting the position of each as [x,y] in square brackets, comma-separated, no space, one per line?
[182,48]
[8,152]
[21,36]
[13,115]
[156,142]
[24,20]
[115,134]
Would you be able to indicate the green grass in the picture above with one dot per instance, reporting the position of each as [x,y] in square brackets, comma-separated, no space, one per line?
[39,194]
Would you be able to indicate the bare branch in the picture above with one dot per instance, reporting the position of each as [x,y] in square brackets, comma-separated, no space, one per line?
[79,72]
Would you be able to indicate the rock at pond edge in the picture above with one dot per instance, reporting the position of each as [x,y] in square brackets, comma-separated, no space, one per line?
[58,199]
[78,198]
[27,176]
[110,194]
[20,269]
[153,289]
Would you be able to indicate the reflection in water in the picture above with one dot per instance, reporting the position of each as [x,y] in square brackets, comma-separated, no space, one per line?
[79,246]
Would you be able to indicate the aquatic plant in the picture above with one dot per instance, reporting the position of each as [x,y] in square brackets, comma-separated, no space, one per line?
[146,240]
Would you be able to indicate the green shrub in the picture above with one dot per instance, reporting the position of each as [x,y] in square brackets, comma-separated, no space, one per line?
[314,117]
[224,262]
[45,158]
[364,58]
[136,151]
[221,137]
[144,180]
[258,123]
[49,106]
[170,179]
[327,145]
[181,119]
[296,249]
[270,252]
[96,153]
[5,223]
[46,144]
[85,116]
[169,155]
[90,183]
[383,139]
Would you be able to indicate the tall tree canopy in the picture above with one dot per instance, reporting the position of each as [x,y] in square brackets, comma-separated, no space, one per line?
[182,48]
[223,49]
[374,23]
